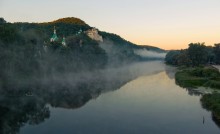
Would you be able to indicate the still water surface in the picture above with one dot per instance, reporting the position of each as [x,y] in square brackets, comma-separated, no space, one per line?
[150,103]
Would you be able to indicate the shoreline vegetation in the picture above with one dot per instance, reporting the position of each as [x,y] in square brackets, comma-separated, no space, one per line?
[195,69]
[207,76]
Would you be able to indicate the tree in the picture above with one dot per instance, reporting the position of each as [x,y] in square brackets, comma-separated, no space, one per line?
[198,54]
[183,58]
[8,33]
[2,21]
[211,55]
[216,50]
[172,57]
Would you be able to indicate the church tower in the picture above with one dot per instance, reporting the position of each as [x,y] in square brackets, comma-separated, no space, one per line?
[54,37]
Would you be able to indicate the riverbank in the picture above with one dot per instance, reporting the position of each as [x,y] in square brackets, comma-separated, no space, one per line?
[196,74]
[205,80]
[198,77]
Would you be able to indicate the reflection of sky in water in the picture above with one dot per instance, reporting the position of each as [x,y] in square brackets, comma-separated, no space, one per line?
[148,104]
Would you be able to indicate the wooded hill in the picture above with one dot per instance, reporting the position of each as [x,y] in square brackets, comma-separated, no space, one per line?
[27,55]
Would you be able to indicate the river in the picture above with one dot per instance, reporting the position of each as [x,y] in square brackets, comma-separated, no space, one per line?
[147,100]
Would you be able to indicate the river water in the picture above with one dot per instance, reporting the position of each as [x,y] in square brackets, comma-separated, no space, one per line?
[147,101]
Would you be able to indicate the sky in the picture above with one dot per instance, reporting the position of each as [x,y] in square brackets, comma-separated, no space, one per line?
[168,24]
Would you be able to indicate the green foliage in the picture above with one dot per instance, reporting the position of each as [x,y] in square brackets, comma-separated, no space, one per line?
[184,79]
[211,55]
[217,52]
[8,34]
[120,51]
[47,29]
[86,51]
[183,59]
[64,27]
[116,39]
[172,57]
[18,57]
[213,84]
[70,20]
[208,72]
[199,76]
[197,54]
[124,43]
[2,21]
[26,57]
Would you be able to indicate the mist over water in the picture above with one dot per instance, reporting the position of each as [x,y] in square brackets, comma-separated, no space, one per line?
[136,98]
[145,100]
[85,86]
[108,76]
[68,91]
[115,95]
[150,54]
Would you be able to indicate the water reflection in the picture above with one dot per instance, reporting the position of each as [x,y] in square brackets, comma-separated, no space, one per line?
[16,112]
[170,72]
[194,92]
[215,120]
[199,91]
[29,105]
[148,98]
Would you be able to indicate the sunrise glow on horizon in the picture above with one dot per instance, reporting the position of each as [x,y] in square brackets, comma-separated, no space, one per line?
[170,24]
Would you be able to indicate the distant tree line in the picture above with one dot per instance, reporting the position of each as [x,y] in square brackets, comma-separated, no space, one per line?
[196,54]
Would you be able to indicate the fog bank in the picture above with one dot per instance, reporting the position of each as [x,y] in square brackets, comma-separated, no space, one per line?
[149,54]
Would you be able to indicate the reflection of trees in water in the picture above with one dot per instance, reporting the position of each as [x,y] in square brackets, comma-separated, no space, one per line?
[29,105]
[215,116]
[216,120]
[210,102]
[170,71]
[20,107]
[193,92]
[190,91]
[16,112]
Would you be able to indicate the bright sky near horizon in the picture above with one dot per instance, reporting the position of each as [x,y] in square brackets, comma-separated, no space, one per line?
[168,24]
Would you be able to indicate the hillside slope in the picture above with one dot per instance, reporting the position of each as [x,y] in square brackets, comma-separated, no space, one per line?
[28,56]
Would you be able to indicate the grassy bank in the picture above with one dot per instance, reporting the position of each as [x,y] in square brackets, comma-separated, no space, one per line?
[212,102]
[198,76]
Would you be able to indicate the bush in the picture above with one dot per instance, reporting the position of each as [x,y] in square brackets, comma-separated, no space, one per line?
[210,72]
[195,77]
